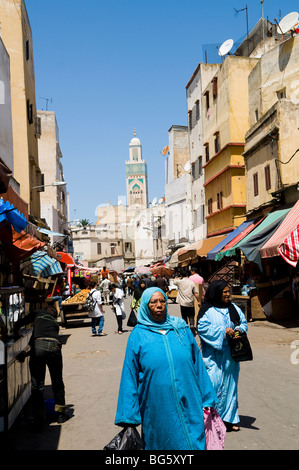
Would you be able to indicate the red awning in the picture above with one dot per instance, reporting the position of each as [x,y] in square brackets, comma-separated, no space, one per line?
[65,258]
[18,245]
[284,240]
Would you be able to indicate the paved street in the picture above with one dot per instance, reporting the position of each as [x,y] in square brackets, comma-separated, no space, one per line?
[268,391]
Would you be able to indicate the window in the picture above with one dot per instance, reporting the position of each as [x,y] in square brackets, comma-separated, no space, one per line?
[207,152]
[207,103]
[267,177]
[256,115]
[112,246]
[217,142]
[29,112]
[190,120]
[255,184]
[215,87]
[281,94]
[210,204]
[219,201]
[27,50]
[99,248]
[197,110]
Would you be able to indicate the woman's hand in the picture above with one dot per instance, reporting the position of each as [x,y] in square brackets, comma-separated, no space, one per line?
[229,332]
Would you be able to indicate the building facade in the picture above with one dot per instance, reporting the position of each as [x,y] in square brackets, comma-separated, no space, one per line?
[200,79]
[53,199]
[272,142]
[225,122]
[17,38]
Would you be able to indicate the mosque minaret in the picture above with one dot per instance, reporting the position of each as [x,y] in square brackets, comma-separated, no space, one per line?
[136,176]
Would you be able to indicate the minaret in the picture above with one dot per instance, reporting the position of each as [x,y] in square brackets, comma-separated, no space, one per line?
[136,176]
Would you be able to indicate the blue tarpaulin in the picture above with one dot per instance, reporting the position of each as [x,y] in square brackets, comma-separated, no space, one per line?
[12,215]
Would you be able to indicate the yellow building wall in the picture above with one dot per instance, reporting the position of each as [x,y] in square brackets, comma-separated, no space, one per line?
[15,31]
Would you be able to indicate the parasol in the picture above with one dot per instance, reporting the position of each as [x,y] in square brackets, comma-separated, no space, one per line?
[142,270]
[162,271]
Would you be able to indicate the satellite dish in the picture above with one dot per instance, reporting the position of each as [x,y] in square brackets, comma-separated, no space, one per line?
[187,166]
[288,22]
[165,150]
[225,47]
[154,201]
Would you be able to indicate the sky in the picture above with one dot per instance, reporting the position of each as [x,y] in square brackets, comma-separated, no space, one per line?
[107,67]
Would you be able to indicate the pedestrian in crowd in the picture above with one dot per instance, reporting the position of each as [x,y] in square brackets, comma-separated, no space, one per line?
[58,291]
[45,351]
[105,290]
[96,315]
[147,280]
[130,285]
[164,384]
[195,277]
[137,295]
[123,285]
[161,283]
[187,292]
[118,306]
[215,326]
[135,282]
[104,273]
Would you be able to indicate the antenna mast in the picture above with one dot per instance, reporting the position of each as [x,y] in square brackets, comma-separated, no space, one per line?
[48,100]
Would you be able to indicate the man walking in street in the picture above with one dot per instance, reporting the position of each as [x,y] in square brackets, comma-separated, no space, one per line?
[187,291]
[105,289]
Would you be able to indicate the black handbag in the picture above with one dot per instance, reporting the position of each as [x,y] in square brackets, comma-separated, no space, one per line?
[240,347]
[127,439]
[132,320]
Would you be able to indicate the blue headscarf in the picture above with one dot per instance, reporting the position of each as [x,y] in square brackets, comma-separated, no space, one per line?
[145,319]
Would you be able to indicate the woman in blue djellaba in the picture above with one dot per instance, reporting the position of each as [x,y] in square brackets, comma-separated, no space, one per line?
[218,319]
[164,383]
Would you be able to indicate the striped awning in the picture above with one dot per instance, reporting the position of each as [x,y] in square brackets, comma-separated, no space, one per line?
[43,265]
[256,239]
[284,241]
[230,245]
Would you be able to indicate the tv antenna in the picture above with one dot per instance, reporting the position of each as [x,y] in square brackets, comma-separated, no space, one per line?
[225,47]
[236,14]
[48,100]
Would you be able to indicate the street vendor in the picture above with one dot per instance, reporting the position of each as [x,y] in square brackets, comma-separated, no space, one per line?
[45,351]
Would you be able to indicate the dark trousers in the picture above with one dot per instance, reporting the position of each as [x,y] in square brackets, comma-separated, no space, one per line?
[119,320]
[188,313]
[46,353]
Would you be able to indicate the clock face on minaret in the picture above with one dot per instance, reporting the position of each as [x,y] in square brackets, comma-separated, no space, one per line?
[136,176]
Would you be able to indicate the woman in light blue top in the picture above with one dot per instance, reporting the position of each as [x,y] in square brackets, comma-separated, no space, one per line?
[164,384]
[218,318]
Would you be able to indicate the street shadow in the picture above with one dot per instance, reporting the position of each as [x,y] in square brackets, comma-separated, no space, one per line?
[247,422]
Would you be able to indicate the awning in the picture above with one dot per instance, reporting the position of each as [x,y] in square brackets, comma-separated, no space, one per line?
[284,241]
[8,213]
[173,262]
[253,242]
[18,245]
[50,232]
[65,258]
[231,236]
[42,264]
[198,249]
[251,226]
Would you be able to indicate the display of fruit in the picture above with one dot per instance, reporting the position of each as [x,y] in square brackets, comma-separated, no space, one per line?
[78,298]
